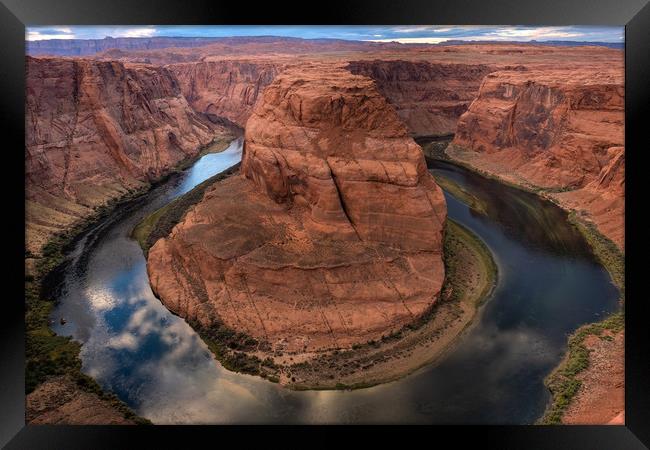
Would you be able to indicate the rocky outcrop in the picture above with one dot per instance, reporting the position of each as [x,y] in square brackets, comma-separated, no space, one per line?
[332,234]
[428,97]
[225,88]
[96,130]
[60,401]
[603,199]
[559,130]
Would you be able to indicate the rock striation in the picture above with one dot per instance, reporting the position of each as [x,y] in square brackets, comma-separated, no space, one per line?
[429,97]
[558,130]
[332,234]
[227,88]
[97,130]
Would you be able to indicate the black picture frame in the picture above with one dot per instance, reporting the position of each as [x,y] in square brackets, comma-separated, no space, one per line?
[16,14]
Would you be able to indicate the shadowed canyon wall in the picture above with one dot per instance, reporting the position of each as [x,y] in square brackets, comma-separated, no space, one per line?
[428,97]
[331,236]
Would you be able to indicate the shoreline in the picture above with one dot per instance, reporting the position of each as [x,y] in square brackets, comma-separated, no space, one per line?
[563,382]
[52,361]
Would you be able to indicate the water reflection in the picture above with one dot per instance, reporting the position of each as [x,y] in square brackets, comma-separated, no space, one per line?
[535,223]
[549,284]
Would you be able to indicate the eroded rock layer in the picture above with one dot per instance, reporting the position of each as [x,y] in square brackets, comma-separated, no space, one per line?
[332,234]
[561,130]
[225,88]
[94,131]
[429,97]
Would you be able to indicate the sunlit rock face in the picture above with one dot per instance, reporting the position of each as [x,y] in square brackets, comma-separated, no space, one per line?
[95,130]
[561,130]
[332,234]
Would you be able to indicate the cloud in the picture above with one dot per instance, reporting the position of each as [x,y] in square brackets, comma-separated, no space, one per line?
[532,33]
[422,34]
[38,36]
[413,40]
[412,29]
[137,32]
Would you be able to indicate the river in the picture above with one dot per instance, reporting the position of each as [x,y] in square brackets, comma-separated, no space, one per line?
[549,284]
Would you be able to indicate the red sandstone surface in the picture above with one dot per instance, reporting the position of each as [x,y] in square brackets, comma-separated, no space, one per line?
[331,236]
[548,116]
[561,130]
[429,97]
[225,88]
[601,397]
[60,401]
[94,131]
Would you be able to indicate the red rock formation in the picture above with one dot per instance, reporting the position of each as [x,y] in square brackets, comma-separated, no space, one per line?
[560,130]
[429,97]
[603,199]
[225,88]
[333,234]
[95,130]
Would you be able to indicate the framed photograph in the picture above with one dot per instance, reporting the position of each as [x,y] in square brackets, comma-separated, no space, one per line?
[373,214]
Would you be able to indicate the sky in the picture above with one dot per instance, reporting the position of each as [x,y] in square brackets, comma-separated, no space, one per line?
[385,33]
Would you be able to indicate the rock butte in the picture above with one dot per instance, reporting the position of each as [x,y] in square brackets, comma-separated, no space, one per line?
[95,130]
[332,234]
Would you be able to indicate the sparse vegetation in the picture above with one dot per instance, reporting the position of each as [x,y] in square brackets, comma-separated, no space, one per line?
[47,354]
[563,382]
[609,255]
[233,350]
[474,202]
[160,223]
[459,245]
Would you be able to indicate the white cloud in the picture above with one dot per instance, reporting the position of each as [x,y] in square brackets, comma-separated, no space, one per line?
[63,30]
[137,32]
[412,29]
[37,36]
[415,40]
[529,33]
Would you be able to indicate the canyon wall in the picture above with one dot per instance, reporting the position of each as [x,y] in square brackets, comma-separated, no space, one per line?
[96,130]
[331,236]
[561,131]
[225,88]
[428,97]
[85,47]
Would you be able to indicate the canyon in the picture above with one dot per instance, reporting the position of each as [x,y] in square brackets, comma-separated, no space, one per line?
[314,246]
[574,137]
[332,233]
[558,131]
[485,95]
[96,131]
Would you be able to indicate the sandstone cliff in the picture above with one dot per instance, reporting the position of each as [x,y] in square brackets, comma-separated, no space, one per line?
[559,130]
[428,97]
[225,88]
[331,236]
[94,131]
